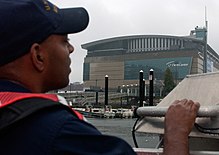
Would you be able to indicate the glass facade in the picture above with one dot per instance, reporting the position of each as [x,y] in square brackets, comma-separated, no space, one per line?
[210,65]
[179,66]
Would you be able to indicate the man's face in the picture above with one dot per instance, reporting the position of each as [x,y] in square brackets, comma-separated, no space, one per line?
[58,50]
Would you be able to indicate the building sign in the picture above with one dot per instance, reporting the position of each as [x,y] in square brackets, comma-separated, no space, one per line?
[180,67]
[176,64]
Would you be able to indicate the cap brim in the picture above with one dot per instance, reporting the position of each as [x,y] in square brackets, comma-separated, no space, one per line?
[73,20]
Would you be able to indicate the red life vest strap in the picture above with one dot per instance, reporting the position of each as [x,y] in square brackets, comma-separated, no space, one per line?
[7,98]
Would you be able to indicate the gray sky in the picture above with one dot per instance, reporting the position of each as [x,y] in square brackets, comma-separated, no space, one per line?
[113,18]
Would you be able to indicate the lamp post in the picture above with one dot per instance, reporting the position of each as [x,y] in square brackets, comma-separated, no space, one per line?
[151,87]
[96,92]
[141,95]
[106,90]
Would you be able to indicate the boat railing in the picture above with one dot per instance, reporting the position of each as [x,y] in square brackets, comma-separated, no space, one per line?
[151,151]
[155,111]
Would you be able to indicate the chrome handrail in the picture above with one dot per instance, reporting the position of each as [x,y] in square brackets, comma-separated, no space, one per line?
[156,111]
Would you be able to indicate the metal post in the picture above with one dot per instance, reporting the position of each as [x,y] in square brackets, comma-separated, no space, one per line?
[96,93]
[121,102]
[205,43]
[205,51]
[106,90]
[151,87]
[96,97]
[141,89]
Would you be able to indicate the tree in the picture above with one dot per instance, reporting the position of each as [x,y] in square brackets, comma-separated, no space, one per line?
[168,82]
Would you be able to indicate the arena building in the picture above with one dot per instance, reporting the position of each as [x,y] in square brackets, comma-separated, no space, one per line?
[122,58]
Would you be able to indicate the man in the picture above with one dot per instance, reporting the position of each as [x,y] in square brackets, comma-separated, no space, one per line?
[179,120]
[34,59]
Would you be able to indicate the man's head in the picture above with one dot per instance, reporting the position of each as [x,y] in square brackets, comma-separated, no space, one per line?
[24,22]
[31,30]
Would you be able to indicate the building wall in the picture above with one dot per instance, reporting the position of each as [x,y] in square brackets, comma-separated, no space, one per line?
[114,70]
[122,58]
[124,70]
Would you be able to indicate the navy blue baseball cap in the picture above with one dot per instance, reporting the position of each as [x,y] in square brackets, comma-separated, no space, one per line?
[24,22]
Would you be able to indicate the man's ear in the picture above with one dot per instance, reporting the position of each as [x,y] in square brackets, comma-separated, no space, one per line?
[37,57]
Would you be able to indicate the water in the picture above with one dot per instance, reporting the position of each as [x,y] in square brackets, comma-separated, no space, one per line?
[123,128]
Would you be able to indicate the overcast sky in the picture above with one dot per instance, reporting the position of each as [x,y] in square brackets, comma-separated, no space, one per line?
[113,18]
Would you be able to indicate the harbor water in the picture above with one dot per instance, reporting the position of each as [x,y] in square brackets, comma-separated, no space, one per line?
[123,128]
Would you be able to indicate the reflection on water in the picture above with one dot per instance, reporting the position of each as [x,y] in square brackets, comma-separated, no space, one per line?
[123,128]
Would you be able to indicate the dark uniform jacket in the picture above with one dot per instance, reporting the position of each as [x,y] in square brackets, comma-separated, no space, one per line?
[56,131]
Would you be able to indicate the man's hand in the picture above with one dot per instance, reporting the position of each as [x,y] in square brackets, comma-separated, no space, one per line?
[179,121]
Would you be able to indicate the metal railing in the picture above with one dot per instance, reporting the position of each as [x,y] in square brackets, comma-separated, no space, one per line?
[156,111]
